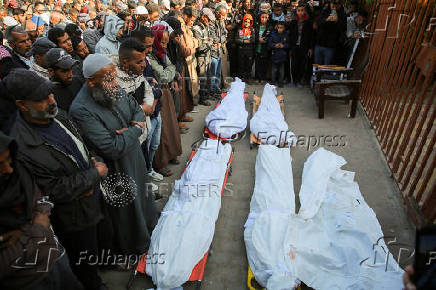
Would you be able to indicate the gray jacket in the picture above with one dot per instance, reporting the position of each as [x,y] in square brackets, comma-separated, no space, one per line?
[202,33]
[219,35]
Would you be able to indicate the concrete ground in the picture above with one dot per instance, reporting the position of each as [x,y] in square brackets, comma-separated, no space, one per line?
[352,138]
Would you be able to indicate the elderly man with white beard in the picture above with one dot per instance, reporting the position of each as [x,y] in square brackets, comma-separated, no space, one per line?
[112,122]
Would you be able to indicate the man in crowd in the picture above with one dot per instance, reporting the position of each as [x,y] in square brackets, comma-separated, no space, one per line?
[62,39]
[201,32]
[112,122]
[66,85]
[52,149]
[19,42]
[130,77]
[39,50]
[219,37]
[146,37]
[91,36]
[30,254]
[113,30]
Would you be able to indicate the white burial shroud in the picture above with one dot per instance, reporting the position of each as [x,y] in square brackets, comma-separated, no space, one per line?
[230,117]
[335,242]
[268,123]
[186,227]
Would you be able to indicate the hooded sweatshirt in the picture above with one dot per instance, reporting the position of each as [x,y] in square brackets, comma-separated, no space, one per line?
[109,44]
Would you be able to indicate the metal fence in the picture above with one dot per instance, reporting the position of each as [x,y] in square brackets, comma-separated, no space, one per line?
[398,95]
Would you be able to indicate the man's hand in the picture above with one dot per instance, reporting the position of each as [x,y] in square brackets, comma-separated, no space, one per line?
[356,34]
[120,131]
[42,219]
[310,53]
[9,238]
[333,18]
[148,110]
[101,167]
[261,40]
[407,278]
[87,194]
[247,41]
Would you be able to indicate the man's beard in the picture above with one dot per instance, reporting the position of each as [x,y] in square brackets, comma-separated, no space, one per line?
[107,98]
[49,113]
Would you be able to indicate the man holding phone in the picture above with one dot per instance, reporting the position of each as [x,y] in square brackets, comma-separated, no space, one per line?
[330,28]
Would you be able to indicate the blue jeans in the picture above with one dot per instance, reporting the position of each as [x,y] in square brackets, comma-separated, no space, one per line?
[215,74]
[278,71]
[324,55]
[153,140]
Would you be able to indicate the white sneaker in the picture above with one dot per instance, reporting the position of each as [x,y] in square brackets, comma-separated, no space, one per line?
[155,176]
[153,186]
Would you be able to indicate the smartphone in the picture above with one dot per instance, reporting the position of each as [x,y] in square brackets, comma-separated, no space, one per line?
[315,3]
[334,12]
[425,258]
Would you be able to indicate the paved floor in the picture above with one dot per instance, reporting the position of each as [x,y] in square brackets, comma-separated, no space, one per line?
[350,138]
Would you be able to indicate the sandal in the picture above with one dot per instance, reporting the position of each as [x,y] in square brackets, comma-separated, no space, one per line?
[175,161]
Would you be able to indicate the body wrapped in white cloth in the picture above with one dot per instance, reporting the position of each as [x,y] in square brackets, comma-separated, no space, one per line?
[268,123]
[335,241]
[230,117]
[186,227]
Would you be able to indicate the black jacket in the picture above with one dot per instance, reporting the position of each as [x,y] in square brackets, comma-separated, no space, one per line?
[306,36]
[64,95]
[264,51]
[330,33]
[58,176]
[9,63]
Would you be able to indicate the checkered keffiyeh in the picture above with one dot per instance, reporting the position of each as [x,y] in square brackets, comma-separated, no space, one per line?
[4,52]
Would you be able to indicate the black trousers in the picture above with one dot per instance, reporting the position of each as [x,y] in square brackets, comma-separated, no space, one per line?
[299,65]
[82,250]
[261,67]
[245,63]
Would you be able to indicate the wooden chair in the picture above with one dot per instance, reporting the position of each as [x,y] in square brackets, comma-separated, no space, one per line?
[334,83]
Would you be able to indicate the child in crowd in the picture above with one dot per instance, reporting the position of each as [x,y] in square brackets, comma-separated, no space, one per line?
[301,43]
[278,43]
[245,40]
[262,32]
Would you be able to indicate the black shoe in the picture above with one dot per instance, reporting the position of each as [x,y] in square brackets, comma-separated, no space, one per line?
[204,103]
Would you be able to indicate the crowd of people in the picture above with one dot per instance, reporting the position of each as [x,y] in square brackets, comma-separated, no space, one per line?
[94,97]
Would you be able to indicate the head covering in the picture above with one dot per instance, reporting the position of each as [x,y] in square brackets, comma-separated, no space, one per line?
[206,11]
[265,7]
[83,17]
[9,21]
[59,58]
[175,25]
[41,46]
[166,4]
[112,24]
[93,63]
[164,23]
[5,141]
[141,10]
[247,31]
[24,84]
[158,50]
[121,6]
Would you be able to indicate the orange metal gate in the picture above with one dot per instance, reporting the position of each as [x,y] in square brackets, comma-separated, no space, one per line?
[398,95]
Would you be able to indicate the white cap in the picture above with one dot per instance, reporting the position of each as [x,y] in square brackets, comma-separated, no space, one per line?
[9,21]
[166,4]
[141,10]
